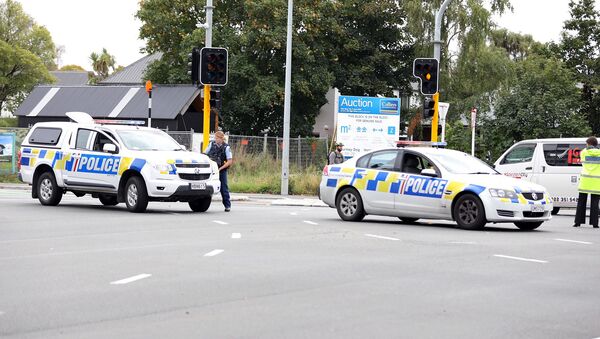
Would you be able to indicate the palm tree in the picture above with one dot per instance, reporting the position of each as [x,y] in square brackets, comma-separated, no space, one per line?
[102,63]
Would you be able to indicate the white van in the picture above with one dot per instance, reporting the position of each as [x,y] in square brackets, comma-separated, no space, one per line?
[552,163]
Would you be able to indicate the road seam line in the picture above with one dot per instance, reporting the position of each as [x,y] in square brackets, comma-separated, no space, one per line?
[214,252]
[220,222]
[518,258]
[310,222]
[381,237]
[575,241]
[131,279]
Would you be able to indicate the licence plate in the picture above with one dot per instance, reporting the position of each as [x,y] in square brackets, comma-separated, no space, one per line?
[537,208]
[198,185]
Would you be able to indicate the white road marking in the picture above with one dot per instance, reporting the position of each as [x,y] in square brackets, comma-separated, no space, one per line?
[381,237]
[463,242]
[293,213]
[220,222]
[131,279]
[575,241]
[236,235]
[310,222]
[517,258]
[213,253]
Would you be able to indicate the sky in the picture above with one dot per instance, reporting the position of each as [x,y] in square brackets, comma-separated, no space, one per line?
[86,26]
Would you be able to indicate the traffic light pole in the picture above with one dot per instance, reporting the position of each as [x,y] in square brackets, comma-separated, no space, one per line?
[437,48]
[207,43]
[434,120]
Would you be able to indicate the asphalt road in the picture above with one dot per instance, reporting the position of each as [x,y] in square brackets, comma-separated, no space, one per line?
[82,270]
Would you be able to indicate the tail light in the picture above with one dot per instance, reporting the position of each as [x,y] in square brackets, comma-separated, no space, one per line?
[19,160]
[326,171]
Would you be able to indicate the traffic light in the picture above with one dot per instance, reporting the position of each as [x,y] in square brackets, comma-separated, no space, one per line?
[215,99]
[429,107]
[194,65]
[213,66]
[426,69]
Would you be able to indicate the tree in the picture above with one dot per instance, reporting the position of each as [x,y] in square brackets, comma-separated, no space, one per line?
[328,39]
[27,52]
[580,49]
[102,65]
[71,68]
[542,102]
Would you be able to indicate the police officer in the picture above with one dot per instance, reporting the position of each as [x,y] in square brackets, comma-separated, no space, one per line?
[336,157]
[220,152]
[589,182]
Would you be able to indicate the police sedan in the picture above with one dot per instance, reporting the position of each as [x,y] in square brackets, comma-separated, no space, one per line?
[432,183]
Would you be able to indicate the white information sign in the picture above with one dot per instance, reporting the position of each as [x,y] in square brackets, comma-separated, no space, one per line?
[367,123]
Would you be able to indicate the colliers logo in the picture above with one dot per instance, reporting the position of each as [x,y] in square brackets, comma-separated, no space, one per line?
[389,106]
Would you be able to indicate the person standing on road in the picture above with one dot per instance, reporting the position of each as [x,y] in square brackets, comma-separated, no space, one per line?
[336,156]
[589,183]
[220,152]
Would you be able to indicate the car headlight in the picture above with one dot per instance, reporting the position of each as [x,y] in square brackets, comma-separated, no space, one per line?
[500,193]
[162,167]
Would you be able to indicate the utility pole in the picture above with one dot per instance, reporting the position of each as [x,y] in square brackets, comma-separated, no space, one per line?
[437,48]
[207,43]
[285,159]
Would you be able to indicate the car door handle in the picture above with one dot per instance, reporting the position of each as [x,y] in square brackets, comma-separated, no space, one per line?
[528,168]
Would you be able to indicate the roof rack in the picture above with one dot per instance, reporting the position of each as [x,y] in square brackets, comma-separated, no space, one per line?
[407,143]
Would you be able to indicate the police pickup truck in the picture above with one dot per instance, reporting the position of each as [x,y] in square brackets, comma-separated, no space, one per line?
[114,163]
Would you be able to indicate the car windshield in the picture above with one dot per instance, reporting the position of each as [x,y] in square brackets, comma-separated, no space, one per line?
[462,163]
[148,140]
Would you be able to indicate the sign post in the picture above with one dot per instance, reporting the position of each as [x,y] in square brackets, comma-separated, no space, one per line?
[442,111]
[473,123]
[149,90]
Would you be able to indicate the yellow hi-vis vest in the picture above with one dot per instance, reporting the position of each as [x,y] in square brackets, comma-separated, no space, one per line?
[589,181]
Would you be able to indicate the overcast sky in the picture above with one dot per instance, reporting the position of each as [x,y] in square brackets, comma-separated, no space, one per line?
[85,26]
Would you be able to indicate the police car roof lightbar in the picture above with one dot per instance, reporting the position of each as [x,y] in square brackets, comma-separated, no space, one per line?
[119,122]
[407,143]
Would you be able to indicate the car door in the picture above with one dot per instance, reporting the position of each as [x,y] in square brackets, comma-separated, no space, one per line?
[89,165]
[518,162]
[374,178]
[420,195]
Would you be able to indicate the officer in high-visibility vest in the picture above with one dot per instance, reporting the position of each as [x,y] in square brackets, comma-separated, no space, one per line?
[589,183]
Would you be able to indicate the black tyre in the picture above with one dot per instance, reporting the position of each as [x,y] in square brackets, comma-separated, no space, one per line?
[47,191]
[555,211]
[349,205]
[136,195]
[528,226]
[469,212]
[108,199]
[200,205]
[408,220]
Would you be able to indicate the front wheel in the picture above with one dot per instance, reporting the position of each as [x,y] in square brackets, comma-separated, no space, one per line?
[48,191]
[349,205]
[200,205]
[469,212]
[136,195]
[528,226]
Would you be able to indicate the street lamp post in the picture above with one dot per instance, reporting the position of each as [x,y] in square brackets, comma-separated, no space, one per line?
[285,158]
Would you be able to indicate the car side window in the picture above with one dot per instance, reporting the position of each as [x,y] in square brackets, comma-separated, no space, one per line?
[412,163]
[83,140]
[563,154]
[363,162]
[383,160]
[519,154]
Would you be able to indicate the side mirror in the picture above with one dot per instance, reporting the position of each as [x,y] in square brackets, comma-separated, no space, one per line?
[109,148]
[429,172]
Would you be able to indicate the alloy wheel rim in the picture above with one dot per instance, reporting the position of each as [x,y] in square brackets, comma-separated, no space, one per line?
[132,195]
[46,189]
[467,211]
[349,204]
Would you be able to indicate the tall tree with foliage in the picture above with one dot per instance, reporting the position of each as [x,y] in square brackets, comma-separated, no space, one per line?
[102,64]
[580,49]
[26,54]
[541,102]
[332,45]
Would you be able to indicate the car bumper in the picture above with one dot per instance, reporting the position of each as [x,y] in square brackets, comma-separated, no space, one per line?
[179,190]
[511,212]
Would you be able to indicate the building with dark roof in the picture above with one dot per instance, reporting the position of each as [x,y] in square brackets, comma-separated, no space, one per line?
[120,96]
[70,78]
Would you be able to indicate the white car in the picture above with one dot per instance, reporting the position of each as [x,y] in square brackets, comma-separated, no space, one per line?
[432,183]
[115,163]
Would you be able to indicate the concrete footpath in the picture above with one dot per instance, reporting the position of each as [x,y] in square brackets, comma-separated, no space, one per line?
[270,199]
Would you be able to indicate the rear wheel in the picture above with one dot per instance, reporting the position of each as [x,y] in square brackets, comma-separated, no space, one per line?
[408,220]
[136,195]
[555,210]
[469,212]
[528,226]
[108,199]
[48,191]
[200,205]
[349,205]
